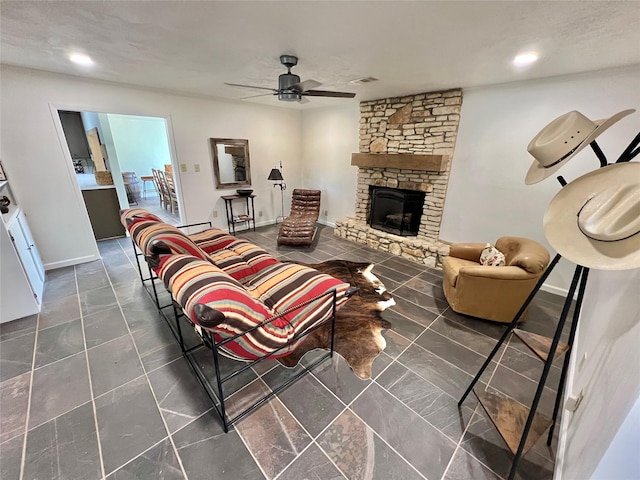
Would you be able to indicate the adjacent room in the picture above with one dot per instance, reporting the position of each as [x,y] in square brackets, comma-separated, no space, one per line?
[292,240]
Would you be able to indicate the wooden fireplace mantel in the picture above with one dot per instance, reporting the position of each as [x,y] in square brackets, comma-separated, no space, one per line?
[427,163]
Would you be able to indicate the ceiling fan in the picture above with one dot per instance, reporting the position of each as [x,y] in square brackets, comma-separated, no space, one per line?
[291,89]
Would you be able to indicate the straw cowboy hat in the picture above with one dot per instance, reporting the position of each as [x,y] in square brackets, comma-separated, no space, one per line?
[594,221]
[562,139]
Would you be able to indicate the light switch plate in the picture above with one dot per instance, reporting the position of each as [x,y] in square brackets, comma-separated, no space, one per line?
[183,167]
[196,167]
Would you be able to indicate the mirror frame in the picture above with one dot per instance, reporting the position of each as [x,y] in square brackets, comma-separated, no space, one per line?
[236,142]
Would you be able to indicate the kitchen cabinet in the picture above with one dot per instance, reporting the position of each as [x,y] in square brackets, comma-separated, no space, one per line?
[102,206]
[21,269]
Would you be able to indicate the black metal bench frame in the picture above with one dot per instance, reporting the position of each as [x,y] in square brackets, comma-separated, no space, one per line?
[216,393]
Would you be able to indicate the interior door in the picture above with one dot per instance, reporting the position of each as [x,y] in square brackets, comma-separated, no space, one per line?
[28,253]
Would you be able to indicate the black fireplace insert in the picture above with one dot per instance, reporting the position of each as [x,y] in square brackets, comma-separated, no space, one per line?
[396,211]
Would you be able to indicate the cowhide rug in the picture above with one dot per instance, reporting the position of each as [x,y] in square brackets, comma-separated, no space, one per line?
[359,324]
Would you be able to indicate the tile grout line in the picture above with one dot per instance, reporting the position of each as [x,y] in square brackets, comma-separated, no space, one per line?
[313,438]
[139,455]
[241,437]
[28,414]
[393,360]
[348,408]
[52,418]
[387,443]
[504,350]
[498,363]
[460,447]
[153,394]
[86,356]
[411,409]
[345,409]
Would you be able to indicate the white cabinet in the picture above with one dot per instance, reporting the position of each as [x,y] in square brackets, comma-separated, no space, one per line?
[21,269]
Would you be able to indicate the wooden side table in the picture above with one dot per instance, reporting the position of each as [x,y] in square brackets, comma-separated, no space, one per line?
[232,219]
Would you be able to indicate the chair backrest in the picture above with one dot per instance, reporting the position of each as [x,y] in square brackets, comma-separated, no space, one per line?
[157,182]
[305,202]
[171,187]
[524,253]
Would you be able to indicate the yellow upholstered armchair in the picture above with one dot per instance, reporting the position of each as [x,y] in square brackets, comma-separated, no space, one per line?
[488,292]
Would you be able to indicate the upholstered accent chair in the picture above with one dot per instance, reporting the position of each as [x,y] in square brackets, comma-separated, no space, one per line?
[298,229]
[489,292]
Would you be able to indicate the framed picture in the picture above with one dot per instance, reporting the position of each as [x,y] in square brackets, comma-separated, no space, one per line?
[3,177]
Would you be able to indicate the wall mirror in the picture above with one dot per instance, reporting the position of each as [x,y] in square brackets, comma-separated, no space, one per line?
[231,162]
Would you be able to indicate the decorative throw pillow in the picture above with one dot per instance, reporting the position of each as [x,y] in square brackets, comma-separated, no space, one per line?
[491,256]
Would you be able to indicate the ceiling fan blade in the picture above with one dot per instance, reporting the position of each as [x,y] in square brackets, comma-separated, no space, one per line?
[325,93]
[250,86]
[254,96]
[303,100]
[306,85]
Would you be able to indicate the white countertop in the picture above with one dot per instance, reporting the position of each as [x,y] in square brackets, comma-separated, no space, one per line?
[87,181]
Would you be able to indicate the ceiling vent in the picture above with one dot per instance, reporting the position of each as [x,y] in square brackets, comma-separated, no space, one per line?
[362,81]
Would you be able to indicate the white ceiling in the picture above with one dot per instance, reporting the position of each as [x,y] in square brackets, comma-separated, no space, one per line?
[410,46]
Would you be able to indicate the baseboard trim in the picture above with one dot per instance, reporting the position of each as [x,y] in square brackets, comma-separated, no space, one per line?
[327,224]
[556,290]
[70,262]
[264,223]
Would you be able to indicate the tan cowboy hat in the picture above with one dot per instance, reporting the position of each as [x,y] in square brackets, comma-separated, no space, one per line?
[594,221]
[562,139]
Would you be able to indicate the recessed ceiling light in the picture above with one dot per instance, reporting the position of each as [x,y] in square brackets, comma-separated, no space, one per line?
[525,59]
[81,59]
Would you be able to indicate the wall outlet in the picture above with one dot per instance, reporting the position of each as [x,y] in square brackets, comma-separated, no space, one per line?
[325,212]
[196,167]
[215,214]
[260,213]
[183,167]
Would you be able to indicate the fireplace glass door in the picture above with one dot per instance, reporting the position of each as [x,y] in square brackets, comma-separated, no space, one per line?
[396,211]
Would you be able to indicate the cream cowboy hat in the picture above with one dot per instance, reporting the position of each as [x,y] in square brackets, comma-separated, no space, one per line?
[562,139]
[594,221]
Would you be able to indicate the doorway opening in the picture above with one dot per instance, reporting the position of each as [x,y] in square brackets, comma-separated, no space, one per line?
[119,161]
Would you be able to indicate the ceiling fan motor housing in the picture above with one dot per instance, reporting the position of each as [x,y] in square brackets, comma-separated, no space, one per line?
[285,92]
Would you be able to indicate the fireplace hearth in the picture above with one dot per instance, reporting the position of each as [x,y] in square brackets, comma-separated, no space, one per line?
[396,211]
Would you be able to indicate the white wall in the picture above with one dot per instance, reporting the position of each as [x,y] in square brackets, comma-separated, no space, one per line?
[140,143]
[43,180]
[487,197]
[621,460]
[605,366]
[329,137]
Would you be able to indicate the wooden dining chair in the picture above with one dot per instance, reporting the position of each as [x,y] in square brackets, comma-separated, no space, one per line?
[160,187]
[171,192]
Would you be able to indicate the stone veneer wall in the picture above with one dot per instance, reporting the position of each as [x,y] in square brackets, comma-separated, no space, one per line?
[426,123]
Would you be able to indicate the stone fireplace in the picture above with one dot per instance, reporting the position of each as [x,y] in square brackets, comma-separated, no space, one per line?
[405,143]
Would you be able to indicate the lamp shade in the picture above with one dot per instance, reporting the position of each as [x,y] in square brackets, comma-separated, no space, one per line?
[275,175]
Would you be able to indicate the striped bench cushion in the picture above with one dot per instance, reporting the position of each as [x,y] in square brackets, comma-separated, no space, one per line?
[196,282]
[285,285]
[242,259]
[212,239]
[144,232]
[136,213]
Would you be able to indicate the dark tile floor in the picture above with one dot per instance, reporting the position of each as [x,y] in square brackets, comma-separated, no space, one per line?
[95,387]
